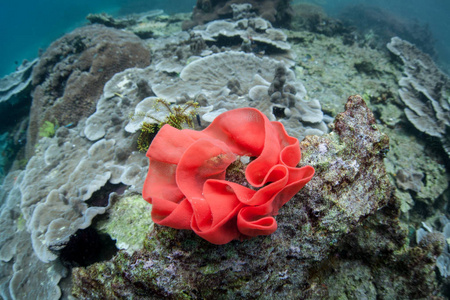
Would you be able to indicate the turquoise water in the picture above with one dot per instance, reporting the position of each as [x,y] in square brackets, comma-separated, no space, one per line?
[434,13]
[27,26]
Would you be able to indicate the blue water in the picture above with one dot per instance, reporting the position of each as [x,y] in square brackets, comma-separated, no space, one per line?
[434,13]
[26,26]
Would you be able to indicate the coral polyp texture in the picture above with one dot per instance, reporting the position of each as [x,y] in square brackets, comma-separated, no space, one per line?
[187,185]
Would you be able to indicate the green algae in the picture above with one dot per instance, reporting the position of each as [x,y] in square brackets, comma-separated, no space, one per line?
[333,64]
[129,221]
[408,153]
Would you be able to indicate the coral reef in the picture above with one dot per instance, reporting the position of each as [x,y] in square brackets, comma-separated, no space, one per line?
[425,91]
[68,180]
[313,18]
[324,63]
[375,26]
[257,31]
[222,82]
[72,72]
[300,117]
[350,185]
[15,91]
[427,237]
[378,248]
[277,12]
[23,274]
[421,182]
[176,116]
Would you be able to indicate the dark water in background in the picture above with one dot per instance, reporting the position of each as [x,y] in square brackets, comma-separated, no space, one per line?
[434,13]
[26,26]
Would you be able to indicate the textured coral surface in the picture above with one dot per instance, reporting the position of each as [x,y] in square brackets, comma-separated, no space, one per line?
[71,74]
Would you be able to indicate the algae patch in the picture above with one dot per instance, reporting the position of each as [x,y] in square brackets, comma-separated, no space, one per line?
[128,222]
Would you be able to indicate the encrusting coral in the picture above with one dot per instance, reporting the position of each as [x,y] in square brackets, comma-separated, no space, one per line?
[186,179]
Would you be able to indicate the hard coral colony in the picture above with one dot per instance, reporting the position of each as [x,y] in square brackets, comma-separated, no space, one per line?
[189,185]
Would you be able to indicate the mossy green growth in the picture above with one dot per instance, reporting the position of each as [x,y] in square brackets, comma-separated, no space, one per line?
[48,129]
[20,223]
[178,116]
[129,220]
[22,163]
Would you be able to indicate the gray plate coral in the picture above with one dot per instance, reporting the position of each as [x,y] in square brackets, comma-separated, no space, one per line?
[425,91]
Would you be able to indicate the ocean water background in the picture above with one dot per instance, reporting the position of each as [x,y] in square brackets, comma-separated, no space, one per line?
[27,26]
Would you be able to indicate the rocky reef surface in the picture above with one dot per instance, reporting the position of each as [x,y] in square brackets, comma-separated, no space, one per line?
[349,186]
[351,231]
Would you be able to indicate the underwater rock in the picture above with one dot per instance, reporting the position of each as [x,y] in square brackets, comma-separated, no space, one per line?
[124,22]
[439,241]
[425,91]
[409,180]
[70,75]
[350,184]
[109,21]
[312,18]
[381,249]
